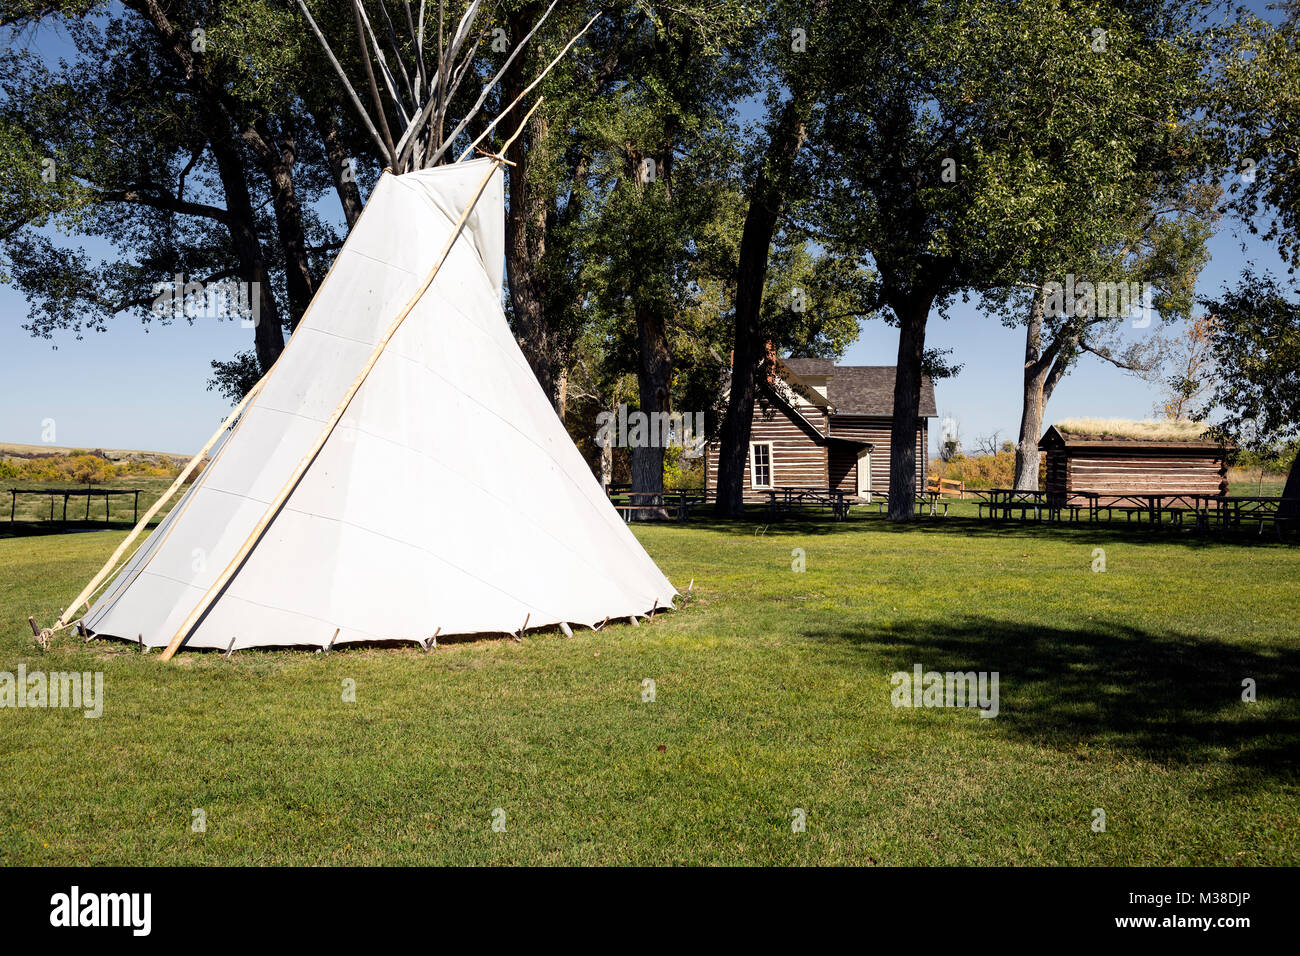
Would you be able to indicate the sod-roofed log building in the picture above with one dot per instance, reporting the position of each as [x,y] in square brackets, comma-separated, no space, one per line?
[1118,457]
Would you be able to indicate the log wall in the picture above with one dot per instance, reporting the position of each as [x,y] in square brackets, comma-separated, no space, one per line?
[844,461]
[1111,472]
[796,458]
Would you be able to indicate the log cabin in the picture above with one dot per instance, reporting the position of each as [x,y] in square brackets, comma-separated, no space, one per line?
[1117,457]
[825,426]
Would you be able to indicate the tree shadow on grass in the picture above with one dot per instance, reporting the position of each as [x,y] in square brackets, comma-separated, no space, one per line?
[1089,533]
[1124,532]
[1172,698]
[758,525]
[34,529]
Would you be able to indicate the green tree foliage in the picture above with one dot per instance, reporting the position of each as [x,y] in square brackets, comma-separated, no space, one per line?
[173,135]
[1257,99]
[978,145]
[1256,340]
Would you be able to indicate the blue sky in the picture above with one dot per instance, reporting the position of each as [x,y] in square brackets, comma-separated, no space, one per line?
[138,386]
[985,397]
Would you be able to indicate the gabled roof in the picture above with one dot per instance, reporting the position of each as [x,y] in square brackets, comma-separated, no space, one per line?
[861,389]
[777,398]
[796,384]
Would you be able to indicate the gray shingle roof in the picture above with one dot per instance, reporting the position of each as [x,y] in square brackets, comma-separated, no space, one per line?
[861,389]
[810,366]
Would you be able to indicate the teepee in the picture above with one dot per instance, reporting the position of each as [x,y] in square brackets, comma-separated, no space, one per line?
[398,474]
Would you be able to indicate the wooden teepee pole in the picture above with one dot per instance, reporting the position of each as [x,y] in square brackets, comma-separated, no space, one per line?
[277,503]
[98,579]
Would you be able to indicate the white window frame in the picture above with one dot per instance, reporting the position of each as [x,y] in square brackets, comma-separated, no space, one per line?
[753,466]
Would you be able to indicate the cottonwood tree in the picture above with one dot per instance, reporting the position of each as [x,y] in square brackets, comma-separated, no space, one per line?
[796,58]
[1256,99]
[1185,369]
[1121,124]
[894,129]
[1161,257]
[162,144]
[660,141]
[1256,393]
[947,156]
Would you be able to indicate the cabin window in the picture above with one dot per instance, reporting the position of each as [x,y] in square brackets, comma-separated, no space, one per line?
[760,464]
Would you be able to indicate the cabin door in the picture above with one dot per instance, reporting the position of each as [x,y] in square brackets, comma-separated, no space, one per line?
[864,474]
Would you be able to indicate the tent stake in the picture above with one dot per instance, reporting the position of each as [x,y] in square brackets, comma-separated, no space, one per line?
[568,631]
[519,637]
[635,622]
[432,642]
[601,624]
[36,631]
[230,648]
[330,646]
[277,503]
[653,609]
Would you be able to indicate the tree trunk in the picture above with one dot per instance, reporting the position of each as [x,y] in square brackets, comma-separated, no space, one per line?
[1032,402]
[268,335]
[654,357]
[1290,510]
[342,170]
[771,185]
[654,378]
[526,222]
[607,456]
[912,316]
[278,156]
[1044,369]
[562,393]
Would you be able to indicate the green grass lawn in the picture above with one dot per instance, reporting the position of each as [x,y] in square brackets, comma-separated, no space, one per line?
[1118,690]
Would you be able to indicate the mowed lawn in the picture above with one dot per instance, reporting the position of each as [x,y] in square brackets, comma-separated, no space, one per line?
[1119,691]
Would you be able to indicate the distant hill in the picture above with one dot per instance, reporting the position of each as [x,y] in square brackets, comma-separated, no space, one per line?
[115,455]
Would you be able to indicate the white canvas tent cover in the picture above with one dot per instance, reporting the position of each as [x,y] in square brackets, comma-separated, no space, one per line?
[449,496]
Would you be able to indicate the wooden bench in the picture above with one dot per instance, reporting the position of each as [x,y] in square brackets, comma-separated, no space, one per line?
[946,486]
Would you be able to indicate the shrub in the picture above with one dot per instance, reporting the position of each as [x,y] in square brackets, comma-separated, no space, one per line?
[982,471]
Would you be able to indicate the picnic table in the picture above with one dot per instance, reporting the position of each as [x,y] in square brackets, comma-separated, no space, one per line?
[1264,508]
[927,500]
[1153,507]
[796,498]
[630,504]
[1001,502]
